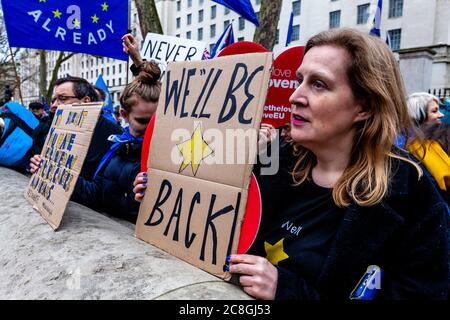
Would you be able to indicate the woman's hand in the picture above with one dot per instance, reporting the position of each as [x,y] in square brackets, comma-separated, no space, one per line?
[140,185]
[258,276]
[131,47]
[35,163]
[267,133]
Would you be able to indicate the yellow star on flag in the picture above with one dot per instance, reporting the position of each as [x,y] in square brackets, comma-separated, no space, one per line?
[94,18]
[42,1]
[105,6]
[194,151]
[57,14]
[275,253]
[77,23]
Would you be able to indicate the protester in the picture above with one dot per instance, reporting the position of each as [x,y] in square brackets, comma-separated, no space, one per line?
[111,190]
[424,108]
[345,197]
[38,110]
[434,153]
[72,90]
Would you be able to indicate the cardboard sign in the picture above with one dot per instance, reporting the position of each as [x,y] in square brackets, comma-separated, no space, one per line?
[194,207]
[283,82]
[63,155]
[165,49]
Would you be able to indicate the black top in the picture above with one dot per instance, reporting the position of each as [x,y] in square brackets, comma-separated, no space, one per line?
[300,235]
[406,235]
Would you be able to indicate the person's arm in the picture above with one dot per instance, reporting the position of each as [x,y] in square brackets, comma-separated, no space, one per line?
[131,47]
[89,193]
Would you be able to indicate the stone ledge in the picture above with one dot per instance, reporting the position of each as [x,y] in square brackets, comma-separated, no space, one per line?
[90,257]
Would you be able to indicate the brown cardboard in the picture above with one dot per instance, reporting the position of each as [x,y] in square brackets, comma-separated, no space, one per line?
[65,149]
[167,122]
[202,108]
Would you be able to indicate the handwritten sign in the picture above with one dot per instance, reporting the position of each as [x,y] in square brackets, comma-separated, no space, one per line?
[195,206]
[65,149]
[165,49]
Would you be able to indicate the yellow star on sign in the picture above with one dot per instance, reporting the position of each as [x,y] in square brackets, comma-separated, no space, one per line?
[57,14]
[77,23]
[94,18]
[105,6]
[194,151]
[275,253]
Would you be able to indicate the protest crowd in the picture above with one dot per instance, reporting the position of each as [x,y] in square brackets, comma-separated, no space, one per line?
[364,172]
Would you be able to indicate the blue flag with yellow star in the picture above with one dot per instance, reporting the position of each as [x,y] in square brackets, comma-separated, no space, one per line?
[94,27]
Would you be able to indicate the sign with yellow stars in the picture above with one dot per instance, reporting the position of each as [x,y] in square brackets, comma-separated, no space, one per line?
[208,111]
[94,27]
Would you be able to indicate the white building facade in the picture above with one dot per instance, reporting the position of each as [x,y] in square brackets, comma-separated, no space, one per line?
[419,32]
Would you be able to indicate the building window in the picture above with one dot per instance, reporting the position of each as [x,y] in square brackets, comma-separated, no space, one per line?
[277,37]
[189,3]
[96,73]
[296,7]
[213,12]
[120,81]
[363,13]
[114,70]
[178,35]
[178,23]
[227,11]
[295,33]
[241,39]
[212,30]
[135,17]
[189,19]
[241,23]
[200,15]
[335,19]
[395,8]
[225,24]
[396,37]
[178,5]
[200,2]
[120,68]
[200,34]
[114,82]
[188,34]
[107,71]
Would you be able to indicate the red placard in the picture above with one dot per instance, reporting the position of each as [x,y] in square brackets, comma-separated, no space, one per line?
[283,82]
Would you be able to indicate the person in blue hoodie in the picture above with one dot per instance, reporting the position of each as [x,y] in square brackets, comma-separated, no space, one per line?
[111,189]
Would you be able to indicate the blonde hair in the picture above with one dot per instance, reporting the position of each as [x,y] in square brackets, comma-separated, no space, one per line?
[375,80]
[146,86]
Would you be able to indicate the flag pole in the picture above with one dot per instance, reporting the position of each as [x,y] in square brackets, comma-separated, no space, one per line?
[129,26]
[17,75]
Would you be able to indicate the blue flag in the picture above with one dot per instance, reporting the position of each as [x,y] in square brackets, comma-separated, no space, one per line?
[93,27]
[107,108]
[46,106]
[225,40]
[289,35]
[388,40]
[242,7]
[376,26]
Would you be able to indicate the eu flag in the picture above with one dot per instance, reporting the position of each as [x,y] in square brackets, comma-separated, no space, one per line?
[93,27]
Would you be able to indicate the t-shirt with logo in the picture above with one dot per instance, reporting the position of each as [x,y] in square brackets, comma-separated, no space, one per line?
[298,234]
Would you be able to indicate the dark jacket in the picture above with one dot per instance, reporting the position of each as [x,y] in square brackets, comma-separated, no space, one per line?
[99,143]
[112,189]
[406,235]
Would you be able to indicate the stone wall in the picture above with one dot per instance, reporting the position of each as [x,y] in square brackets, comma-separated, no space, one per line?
[90,257]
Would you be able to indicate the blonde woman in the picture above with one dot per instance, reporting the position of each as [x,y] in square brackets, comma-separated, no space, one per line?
[345,197]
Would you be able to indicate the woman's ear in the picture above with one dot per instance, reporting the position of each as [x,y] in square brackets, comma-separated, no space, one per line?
[86,99]
[123,114]
[364,112]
